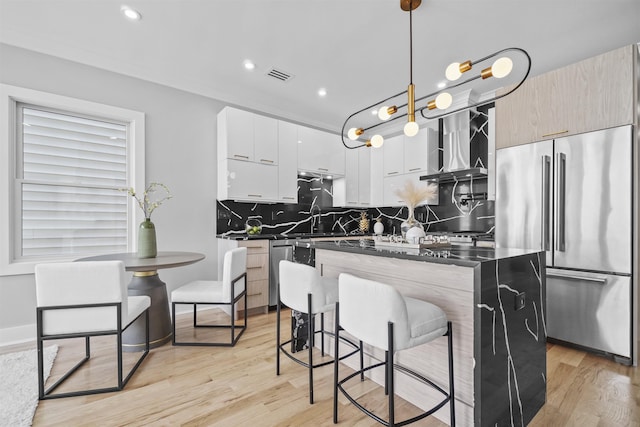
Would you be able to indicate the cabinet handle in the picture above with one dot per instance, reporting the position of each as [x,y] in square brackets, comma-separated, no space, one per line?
[259,266]
[555,133]
[254,195]
[266,160]
[414,169]
[254,295]
[352,202]
[391,173]
[242,157]
[323,169]
[289,198]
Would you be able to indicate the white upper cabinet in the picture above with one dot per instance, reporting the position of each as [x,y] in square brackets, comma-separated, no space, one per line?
[247,136]
[354,190]
[364,176]
[247,181]
[235,134]
[287,162]
[421,152]
[265,140]
[393,150]
[403,154]
[320,152]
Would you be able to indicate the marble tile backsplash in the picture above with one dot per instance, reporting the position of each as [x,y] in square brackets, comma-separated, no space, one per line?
[315,213]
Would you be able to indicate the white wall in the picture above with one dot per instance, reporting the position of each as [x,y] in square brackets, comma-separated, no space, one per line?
[180,152]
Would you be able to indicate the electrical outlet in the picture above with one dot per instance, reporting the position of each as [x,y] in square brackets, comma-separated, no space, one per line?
[519,301]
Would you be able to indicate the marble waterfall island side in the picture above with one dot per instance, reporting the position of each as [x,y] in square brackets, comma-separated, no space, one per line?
[496,301]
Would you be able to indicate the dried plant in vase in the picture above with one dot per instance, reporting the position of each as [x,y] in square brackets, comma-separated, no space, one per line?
[412,195]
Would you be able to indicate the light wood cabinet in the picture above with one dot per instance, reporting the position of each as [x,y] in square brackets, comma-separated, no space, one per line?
[257,274]
[593,94]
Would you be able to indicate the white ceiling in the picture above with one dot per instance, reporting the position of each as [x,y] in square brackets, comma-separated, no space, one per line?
[356,49]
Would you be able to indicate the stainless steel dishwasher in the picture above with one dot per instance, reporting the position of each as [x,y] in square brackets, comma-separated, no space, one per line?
[278,250]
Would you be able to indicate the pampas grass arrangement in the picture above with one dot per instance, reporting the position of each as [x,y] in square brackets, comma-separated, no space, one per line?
[414,194]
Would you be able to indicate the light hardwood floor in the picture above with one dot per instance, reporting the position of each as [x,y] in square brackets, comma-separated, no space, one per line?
[204,386]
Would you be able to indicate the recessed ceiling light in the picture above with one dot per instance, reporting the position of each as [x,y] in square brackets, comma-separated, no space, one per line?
[249,65]
[374,112]
[132,14]
[441,85]
[322,92]
[299,141]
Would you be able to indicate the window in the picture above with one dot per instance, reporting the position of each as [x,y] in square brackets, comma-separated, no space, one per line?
[68,161]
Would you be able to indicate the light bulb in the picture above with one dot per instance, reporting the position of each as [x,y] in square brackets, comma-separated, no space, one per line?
[411,129]
[502,67]
[354,133]
[453,71]
[377,141]
[444,100]
[383,113]
[132,14]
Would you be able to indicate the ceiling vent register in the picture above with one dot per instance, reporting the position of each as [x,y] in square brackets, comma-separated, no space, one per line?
[280,75]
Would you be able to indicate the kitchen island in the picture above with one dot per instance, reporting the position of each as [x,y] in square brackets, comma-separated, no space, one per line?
[495,299]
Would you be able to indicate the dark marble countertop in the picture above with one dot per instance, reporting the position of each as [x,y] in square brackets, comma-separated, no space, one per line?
[266,236]
[467,256]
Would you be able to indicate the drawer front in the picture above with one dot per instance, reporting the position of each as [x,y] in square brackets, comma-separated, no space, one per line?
[257,267]
[257,294]
[255,246]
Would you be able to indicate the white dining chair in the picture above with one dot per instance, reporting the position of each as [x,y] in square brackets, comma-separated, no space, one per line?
[85,300]
[226,293]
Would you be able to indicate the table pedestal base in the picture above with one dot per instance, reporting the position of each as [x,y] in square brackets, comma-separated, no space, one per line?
[149,284]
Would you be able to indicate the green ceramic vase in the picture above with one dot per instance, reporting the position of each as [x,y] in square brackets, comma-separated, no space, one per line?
[147,247]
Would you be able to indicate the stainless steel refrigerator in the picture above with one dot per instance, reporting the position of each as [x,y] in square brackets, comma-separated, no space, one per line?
[572,197]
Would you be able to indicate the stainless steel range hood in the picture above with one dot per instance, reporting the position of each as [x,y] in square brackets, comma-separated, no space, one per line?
[462,160]
[457,175]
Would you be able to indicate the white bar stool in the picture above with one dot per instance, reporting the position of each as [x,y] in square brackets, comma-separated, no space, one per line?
[301,288]
[366,309]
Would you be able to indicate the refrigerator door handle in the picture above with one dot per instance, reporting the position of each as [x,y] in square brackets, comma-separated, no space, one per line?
[546,192]
[561,161]
[598,278]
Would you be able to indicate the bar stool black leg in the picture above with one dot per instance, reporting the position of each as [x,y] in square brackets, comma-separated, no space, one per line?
[311,328]
[451,392]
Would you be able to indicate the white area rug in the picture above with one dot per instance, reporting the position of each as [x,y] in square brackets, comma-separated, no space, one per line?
[19,385]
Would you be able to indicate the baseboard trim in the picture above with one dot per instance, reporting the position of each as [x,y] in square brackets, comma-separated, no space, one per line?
[17,335]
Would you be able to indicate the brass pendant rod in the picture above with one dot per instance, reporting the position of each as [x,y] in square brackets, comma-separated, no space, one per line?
[411,42]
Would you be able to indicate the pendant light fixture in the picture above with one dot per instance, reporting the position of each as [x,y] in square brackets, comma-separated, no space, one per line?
[363,129]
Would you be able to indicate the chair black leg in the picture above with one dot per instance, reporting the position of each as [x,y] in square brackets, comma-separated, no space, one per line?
[336,362]
[195,310]
[40,355]
[173,323]
[311,328]
[361,361]
[386,373]
[389,368]
[451,391]
[322,334]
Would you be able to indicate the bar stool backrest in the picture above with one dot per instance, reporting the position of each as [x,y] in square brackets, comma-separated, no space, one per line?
[366,308]
[235,264]
[296,282]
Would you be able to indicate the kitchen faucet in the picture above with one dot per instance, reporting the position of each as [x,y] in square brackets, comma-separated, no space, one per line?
[314,216]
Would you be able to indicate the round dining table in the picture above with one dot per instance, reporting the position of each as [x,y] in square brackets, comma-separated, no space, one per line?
[145,281]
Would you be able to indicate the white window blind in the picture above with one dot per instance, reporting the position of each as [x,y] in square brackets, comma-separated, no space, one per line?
[70,172]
